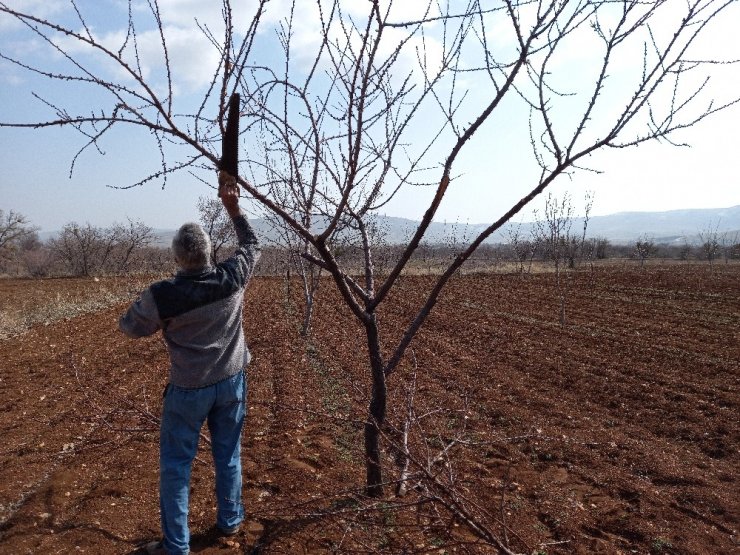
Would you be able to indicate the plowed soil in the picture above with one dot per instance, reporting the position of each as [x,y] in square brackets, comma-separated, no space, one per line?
[615,433]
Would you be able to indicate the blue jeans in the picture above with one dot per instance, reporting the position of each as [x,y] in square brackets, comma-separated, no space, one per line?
[223,405]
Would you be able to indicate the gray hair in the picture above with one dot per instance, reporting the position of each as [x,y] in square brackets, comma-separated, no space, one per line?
[192,247]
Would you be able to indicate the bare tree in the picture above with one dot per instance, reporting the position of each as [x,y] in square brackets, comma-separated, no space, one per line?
[709,240]
[217,225]
[88,250]
[131,240]
[310,275]
[730,242]
[14,228]
[558,243]
[644,249]
[381,104]
[84,250]
[298,251]
[600,247]
[684,251]
[522,249]
[553,230]
[35,258]
[38,262]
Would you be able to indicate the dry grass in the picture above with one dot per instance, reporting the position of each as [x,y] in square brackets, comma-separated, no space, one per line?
[25,303]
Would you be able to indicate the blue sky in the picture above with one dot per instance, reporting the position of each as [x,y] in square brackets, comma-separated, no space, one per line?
[494,171]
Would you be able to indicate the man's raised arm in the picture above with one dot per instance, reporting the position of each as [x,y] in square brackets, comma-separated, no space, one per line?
[249,251]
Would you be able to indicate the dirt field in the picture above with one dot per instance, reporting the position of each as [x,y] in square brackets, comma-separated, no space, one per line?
[27,303]
[617,433]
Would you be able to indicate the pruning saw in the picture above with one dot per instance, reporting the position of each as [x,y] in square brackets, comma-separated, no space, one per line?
[230,146]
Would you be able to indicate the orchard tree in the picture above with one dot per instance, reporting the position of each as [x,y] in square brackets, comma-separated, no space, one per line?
[86,250]
[83,249]
[346,105]
[300,252]
[298,202]
[522,249]
[600,247]
[710,243]
[132,238]
[14,228]
[730,245]
[216,223]
[560,245]
[644,248]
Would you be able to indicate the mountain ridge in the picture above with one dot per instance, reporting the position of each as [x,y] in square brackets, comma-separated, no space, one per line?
[670,226]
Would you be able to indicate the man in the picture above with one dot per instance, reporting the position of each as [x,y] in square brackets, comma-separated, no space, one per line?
[200,314]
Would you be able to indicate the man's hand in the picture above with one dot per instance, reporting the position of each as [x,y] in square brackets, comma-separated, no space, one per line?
[228,192]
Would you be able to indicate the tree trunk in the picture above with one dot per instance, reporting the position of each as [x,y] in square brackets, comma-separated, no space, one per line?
[307,313]
[376,412]
[310,288]
[562,309]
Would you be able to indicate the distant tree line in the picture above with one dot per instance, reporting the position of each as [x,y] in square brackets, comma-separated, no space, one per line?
[81,250]
[85,250]
[131,248]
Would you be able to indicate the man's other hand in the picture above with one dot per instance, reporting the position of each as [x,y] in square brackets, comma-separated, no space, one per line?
[228,192]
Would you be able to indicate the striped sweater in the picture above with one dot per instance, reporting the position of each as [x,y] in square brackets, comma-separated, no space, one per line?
[200,315]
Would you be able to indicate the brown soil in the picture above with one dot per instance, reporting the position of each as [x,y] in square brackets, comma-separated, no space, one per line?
[617,433]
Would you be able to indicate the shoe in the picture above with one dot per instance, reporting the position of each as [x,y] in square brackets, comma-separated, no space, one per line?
[230,531]
[155,548]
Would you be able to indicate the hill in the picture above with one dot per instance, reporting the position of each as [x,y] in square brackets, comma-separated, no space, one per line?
[620,228]
[673,226]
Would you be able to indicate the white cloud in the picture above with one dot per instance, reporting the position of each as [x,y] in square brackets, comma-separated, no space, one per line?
[192,58]
[39,8]
[9,74]
[184,13]
[401,11]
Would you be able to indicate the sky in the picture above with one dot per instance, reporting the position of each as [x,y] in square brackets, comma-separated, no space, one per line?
[492,173]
